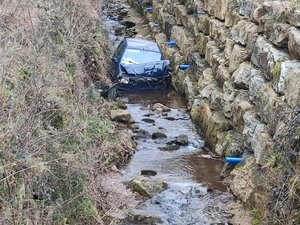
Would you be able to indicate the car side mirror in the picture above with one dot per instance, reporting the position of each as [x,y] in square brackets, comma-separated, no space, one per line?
[114,59]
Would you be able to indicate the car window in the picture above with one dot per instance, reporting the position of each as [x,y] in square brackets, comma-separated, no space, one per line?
[119,50]
[136,56]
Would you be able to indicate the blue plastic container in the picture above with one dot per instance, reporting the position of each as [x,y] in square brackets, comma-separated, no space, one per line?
[171,43]
[149,9]
[197,103]
[233,160]
[184,67]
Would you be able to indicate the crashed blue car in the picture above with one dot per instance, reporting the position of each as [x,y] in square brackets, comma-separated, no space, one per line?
[138,66]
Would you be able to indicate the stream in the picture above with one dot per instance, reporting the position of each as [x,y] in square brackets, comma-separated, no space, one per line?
[169,150]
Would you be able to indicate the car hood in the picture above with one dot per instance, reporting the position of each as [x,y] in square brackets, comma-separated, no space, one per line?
[152,69]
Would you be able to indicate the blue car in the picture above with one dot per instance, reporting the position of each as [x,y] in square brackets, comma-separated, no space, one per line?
[138,65]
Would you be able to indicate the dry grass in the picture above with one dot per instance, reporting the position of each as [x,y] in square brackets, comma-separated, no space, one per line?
[55,139]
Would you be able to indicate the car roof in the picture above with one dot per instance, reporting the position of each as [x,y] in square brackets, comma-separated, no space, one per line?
[138,43]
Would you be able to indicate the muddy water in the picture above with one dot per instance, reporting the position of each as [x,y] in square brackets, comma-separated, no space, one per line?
[195,193]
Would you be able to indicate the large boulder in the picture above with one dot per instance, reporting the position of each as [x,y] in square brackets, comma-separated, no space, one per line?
[265,56]
[222,74]
[294,18]
[161,108]
[242,184]
[228,49]
[257,137]
[217,60]
[147,186]
[238,55]
[167,22]
[198,63]
[240,106]
[282,71]
[250,123]
[258,13]
[219,8]
[202,41]
[294,42]
[256,83]
[181,15]
[229,96]
[184,40]
[278,34]
[292,91]
[211,49]
[182,140]
[206,79]
[262,144]
[242,76]
[218,32]
[120,115]
[189,90]
[232,18]
[213,124]
[203,23]
[269,105]
[245,33]
[193,25]
[213,94]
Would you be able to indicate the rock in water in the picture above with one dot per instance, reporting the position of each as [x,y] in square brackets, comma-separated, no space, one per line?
[161,108]
[158,134]
[147,186]
[182,140]
[120,115]
[170,148]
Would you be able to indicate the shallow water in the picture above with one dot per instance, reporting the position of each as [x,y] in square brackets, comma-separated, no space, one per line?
[195,193]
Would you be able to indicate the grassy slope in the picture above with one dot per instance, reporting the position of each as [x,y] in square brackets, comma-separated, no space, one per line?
[55,137]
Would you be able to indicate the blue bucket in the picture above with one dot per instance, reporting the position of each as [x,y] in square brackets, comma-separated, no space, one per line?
[184,67]
[233,160]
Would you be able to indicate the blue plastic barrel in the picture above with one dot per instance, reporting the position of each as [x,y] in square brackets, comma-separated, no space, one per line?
[171,43]
[233,160]
[149,9]
[184,67]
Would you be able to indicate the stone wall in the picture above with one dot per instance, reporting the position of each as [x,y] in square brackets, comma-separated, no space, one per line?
[243,80]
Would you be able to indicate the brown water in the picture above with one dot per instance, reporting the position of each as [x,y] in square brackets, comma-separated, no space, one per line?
[195,193]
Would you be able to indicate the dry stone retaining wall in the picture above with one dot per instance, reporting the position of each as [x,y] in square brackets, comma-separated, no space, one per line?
[244,71]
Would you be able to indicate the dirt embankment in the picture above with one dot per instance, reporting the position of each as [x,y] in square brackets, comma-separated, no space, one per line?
[55,136]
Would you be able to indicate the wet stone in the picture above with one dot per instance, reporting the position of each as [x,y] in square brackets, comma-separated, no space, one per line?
[161,108]
[148,173]
[148,114]
[170,118]
[147,186]
[158,134]
[133,127]
[120,115]
[182,140]
[170,148]
[141,134]
[147,120]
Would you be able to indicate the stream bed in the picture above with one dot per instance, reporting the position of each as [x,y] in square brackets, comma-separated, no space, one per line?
[169,151]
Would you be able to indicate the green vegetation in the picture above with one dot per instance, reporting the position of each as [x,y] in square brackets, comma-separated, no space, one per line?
[257,219]
[55,135]
[277,70]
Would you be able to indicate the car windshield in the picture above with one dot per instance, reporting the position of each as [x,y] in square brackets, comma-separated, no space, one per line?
[135,56]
